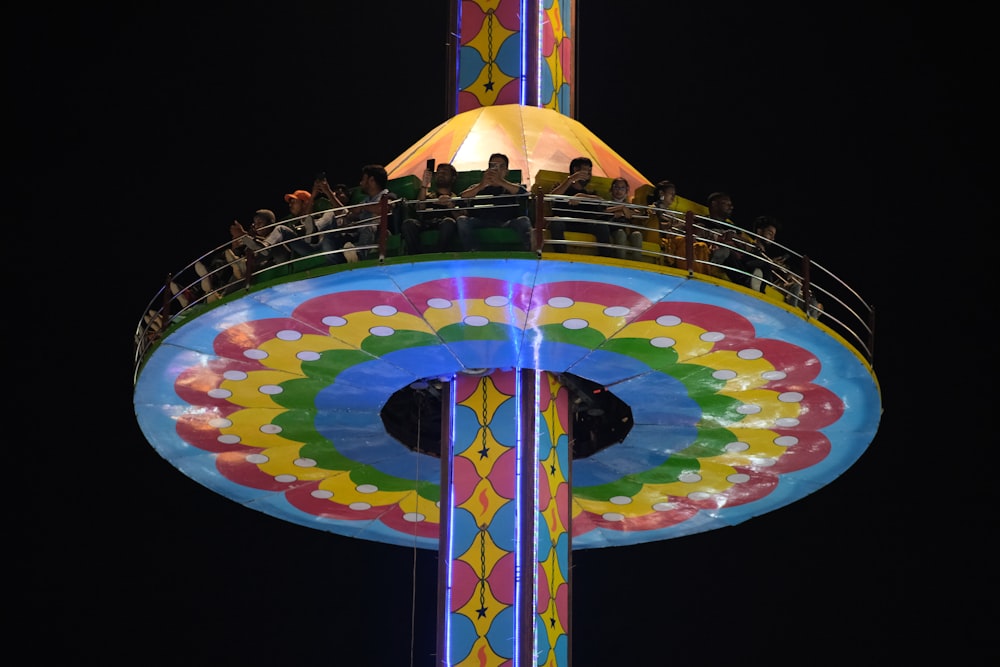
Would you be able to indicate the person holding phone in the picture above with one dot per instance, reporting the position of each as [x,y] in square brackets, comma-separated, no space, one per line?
[496,202]
[436,208]
[624,218]
[580,213]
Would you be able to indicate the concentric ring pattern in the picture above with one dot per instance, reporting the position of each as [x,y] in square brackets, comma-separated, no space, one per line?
[740,405]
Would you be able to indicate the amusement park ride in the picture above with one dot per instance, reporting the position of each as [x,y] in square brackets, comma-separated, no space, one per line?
[508,407]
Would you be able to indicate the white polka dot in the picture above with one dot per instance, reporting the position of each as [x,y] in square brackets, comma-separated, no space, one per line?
[699,495]
[255,354]
[270,389]
[414,517]
[662,341]
[381,332]
[560,302]
[220,422]
[738,478]
[360,506]
[712,336]
[616,311]
[438,303]
[476,321]
[384,311]
[229,439]
[724,375]
[613,516]
[737,447]
[668,320]
[334,321]
[285,479]
[575,323]
[619,500]
[305,463]
[750,353]
[790,397]
[366,488]
[664,507]
[257,459]
[689,477]
[270,429]
[307,355]
[786,422]
[219,393]
[289,334]
[322,494]
[746,409]
[235,376]
[497,301]
[773,375]
[786,440]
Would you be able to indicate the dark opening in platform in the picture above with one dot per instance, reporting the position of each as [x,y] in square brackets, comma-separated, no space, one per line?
[412,415]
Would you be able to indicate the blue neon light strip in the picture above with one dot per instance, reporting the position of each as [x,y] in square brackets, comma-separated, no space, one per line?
[449,503]
[519,571]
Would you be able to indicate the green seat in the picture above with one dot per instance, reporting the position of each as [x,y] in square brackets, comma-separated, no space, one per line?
[307,263]
[488,238]
[271,274]
[429,239]
[407,187]
[394,245]
[497,238]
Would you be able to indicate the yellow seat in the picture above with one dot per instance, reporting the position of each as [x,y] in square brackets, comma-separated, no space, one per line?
[583,238]
[652,253]
[574,248]
[545,180]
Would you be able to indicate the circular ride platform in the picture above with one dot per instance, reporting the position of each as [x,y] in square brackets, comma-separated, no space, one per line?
[740,404]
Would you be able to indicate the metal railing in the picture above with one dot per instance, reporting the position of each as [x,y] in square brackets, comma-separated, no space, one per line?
[674,240]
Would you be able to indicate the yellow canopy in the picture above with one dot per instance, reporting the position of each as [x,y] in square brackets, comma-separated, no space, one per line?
[532,137]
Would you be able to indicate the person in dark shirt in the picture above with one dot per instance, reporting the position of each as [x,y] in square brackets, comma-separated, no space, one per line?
[760,261]
[435,210]
[359,226]
[578,214]
[496,202]
[720,233]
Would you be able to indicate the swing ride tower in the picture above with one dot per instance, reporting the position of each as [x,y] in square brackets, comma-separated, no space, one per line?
[506,408]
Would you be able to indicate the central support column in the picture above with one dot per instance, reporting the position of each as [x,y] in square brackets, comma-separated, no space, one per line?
[512,52]
[504,559]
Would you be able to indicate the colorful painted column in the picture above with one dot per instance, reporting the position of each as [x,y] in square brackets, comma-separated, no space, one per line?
[513,52]
[505,549]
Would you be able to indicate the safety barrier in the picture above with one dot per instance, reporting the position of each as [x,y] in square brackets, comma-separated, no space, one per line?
[672,241]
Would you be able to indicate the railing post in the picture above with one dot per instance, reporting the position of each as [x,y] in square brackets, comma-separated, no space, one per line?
[167,294]
[871,336]
[689,241]
[539,223]
[806,291]
[383,225]
[251,256]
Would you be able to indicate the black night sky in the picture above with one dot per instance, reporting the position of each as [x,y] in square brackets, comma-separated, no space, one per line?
[138,133]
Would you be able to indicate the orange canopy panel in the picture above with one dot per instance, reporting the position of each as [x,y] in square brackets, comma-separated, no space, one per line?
[532,137]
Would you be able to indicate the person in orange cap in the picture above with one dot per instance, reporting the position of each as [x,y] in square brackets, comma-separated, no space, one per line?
[299,203]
